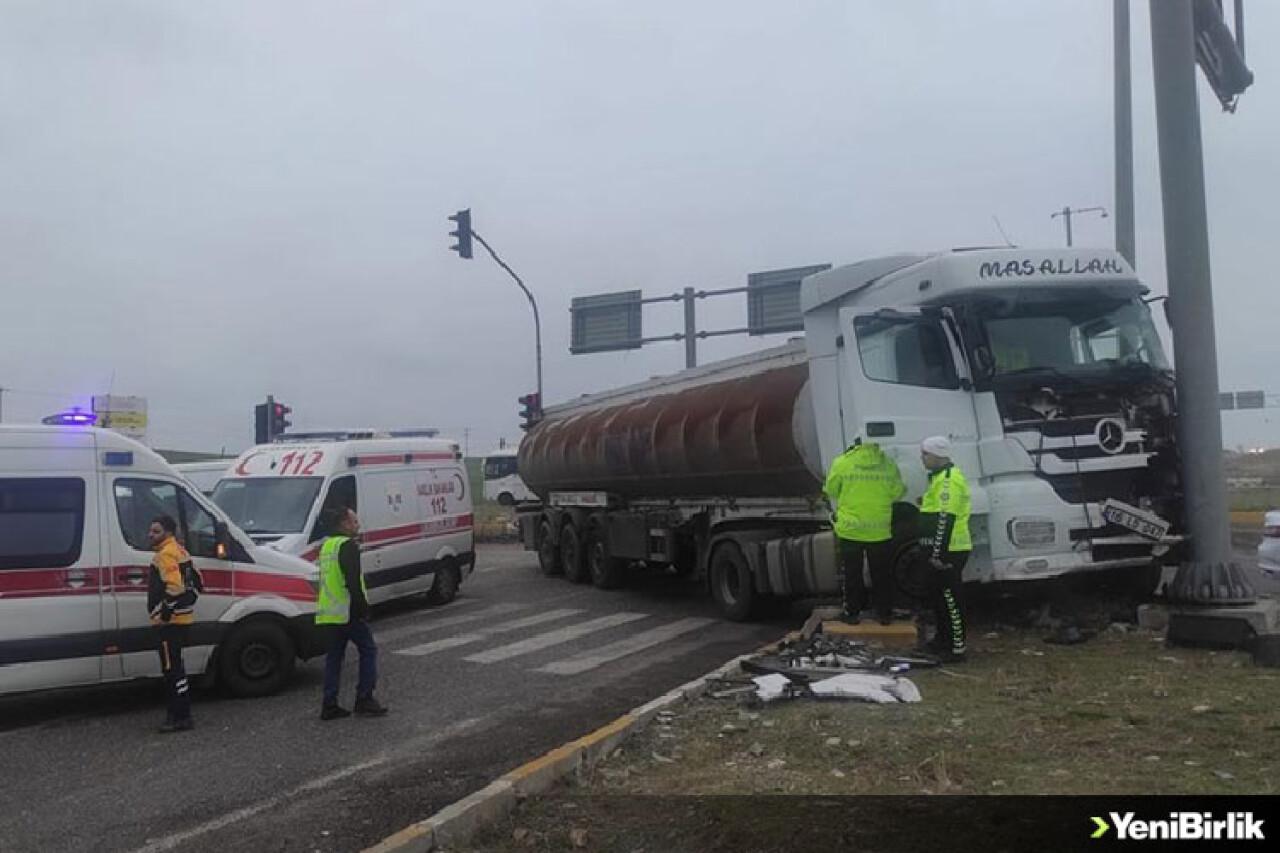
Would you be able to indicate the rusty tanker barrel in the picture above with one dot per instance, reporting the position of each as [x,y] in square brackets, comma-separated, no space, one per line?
[746,431]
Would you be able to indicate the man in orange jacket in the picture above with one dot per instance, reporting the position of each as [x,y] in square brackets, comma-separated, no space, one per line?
[170,601]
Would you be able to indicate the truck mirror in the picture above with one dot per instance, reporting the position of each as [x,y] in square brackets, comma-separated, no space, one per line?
[984,362]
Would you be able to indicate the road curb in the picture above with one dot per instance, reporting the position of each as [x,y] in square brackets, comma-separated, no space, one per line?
[459,822]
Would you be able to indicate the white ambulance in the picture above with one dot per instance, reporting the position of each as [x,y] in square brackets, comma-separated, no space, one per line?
[412,495]
[75,505]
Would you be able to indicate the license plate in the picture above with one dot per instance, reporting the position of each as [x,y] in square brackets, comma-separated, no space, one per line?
[1141,522]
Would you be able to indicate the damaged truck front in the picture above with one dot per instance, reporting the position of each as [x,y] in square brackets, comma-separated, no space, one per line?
[1043,367]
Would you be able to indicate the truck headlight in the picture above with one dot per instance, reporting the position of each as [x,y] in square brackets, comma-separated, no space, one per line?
[1032,532]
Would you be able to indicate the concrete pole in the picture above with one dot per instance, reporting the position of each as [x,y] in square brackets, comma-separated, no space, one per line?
[1125,241]
[690,330]
[1186,247]
[1066,215]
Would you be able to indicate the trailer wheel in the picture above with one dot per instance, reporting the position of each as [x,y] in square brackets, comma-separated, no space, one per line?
[607,571]
[548,553]
[571,557]
[731,585]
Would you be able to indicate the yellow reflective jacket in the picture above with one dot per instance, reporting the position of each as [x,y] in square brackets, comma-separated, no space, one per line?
[944,512]
[863,485]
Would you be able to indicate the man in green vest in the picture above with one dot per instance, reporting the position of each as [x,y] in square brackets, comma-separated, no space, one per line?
[342,610]
[944,533]
[862,486]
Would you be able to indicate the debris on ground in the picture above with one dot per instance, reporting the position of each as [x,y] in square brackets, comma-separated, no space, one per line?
[823,667]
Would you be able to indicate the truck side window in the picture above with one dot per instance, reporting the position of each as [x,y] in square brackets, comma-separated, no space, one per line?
[342,493]
[197,522]
[905,352]
[41,522]
[138,502]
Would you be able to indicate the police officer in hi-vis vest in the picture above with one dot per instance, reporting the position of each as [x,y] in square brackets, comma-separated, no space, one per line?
[863,485]
[342,609]
[944,533]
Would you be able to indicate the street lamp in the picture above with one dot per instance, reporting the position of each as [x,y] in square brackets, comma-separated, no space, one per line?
[1067,212]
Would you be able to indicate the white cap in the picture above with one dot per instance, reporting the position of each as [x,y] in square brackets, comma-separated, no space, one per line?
[937,445]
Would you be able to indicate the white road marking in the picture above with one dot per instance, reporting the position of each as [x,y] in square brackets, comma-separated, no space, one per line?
[169,842]
[447,622]
[466,639]
[629,646]
[553,638]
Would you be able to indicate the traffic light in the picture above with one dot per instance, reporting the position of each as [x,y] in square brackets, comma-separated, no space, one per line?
[261,425]
[531,410]
[463,233]
[279,419]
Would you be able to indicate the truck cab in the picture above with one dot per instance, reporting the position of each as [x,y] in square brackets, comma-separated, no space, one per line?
[1046,371]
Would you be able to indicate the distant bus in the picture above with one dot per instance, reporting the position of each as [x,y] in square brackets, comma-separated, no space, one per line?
[501,482]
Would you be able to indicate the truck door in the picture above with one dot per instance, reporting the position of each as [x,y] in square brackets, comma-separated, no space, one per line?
[902,380]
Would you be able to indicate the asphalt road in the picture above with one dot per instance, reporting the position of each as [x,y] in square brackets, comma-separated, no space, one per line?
[516,666]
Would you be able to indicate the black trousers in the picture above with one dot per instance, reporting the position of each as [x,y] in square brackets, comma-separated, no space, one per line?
[879,555]
[176,688]
[946,594]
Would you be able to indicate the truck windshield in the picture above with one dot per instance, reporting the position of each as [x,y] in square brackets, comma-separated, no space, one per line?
[264,505]
[1076,331]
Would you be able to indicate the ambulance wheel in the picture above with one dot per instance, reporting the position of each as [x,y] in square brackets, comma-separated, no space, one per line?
[571,557]
[548,553]
[256,658]
[445,586]
[731,583]
[607,571]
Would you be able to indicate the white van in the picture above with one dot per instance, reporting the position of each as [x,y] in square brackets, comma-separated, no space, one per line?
[502,482]
[203,475]
[75,505]
[412,496]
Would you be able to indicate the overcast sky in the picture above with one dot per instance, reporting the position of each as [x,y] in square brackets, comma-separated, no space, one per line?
[203,203]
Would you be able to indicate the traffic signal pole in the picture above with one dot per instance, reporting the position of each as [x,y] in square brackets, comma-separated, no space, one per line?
[1186,246]
[533,303]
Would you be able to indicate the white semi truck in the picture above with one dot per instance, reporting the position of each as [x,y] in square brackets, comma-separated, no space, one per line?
[1043,367]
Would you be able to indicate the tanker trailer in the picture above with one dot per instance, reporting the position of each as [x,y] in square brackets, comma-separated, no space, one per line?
[714,470]
[1042,366]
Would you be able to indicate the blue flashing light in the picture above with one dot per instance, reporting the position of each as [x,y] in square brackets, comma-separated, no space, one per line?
[121,458]
[75,417]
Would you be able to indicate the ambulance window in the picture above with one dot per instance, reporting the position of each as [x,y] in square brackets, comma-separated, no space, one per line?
[342,492]
[200,540]
[41,522]
[140,501]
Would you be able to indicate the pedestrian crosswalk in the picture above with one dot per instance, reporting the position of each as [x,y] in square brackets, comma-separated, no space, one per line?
[587,642]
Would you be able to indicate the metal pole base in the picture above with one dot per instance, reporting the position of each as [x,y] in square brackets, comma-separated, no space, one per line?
[1211,585]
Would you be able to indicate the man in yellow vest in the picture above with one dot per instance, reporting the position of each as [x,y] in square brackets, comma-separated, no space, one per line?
[342,609]
[863,485]
[944,533]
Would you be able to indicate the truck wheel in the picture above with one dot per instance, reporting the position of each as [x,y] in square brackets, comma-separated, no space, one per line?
[607,572]
[731,585]
[505,499]
[548,553]
[571,557]
[445,586]
[256,658]
[910,571]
